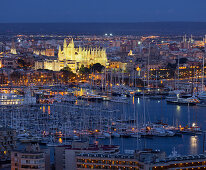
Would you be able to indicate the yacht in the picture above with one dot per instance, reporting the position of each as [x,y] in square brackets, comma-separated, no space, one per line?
[202,96]
[115,134]
[194,129]
[106,134]
[155,130]
[184,101]
[202,104]
[11,99]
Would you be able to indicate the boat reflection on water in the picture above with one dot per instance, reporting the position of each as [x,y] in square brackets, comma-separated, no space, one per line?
[178,109]
[193,144]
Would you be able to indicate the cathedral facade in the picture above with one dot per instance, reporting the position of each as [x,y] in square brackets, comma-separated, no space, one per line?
[74,57]
[85,56]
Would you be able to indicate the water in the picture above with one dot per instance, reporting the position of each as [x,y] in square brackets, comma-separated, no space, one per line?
[156,110]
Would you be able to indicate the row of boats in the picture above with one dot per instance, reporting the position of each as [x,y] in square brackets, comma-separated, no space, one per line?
[67,121]
[154,130]
[147,131]
[118,95]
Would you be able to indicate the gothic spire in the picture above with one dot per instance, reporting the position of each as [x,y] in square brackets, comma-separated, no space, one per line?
[65,43]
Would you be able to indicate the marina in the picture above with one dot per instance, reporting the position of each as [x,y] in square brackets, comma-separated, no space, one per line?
[130,122]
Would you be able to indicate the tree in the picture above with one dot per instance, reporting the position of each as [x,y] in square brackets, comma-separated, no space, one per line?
[67,74]
[23,64]
[182,60]
[171,66]
[96,67]
[67,68]
[84,70]
[15,76]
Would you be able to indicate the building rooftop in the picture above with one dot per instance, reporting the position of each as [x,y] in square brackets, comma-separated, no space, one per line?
[157,161]
[92,147]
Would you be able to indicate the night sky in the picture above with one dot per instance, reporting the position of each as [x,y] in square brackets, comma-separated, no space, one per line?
[102,10]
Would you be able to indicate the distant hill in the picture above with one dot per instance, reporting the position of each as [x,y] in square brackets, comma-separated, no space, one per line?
[143,28]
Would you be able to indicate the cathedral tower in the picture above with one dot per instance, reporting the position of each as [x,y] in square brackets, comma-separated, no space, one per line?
[13,48]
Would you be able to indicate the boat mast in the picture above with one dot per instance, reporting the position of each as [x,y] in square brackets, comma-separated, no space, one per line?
[102,82]
[178,72]
[203,142]
[192,89]
[188,115]
[196,76]
[119,77]
[111,81]
[134,110]
[115,77]
[105,80]
[135,83]
[148,67]
[156,82]
[122,78]
[203,65]
[137,119]
[144,119]
[65,133]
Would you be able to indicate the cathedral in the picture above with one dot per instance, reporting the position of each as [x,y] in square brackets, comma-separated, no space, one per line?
[82,55]
[13,48]
[74,57]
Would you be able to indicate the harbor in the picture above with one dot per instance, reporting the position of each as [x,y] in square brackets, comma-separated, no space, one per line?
[132,122]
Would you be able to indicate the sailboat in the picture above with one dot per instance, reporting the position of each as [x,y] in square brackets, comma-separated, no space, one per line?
[202,95]
[194,129]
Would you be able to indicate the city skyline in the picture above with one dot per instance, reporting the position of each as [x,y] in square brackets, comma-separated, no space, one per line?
[113,84]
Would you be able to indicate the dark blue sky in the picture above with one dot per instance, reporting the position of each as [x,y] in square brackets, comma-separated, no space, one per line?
[102,10]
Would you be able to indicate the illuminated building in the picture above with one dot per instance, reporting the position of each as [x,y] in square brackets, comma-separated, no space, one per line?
[143,160]
[30,158]
[8,62]
[187,44]
[82,55]
[117,65]
[7,142]
[13,49]
[10,99]
[65,155]
[47,52]
[14,99]
[47,64]
[2,47]
[74,58]
[130,53]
